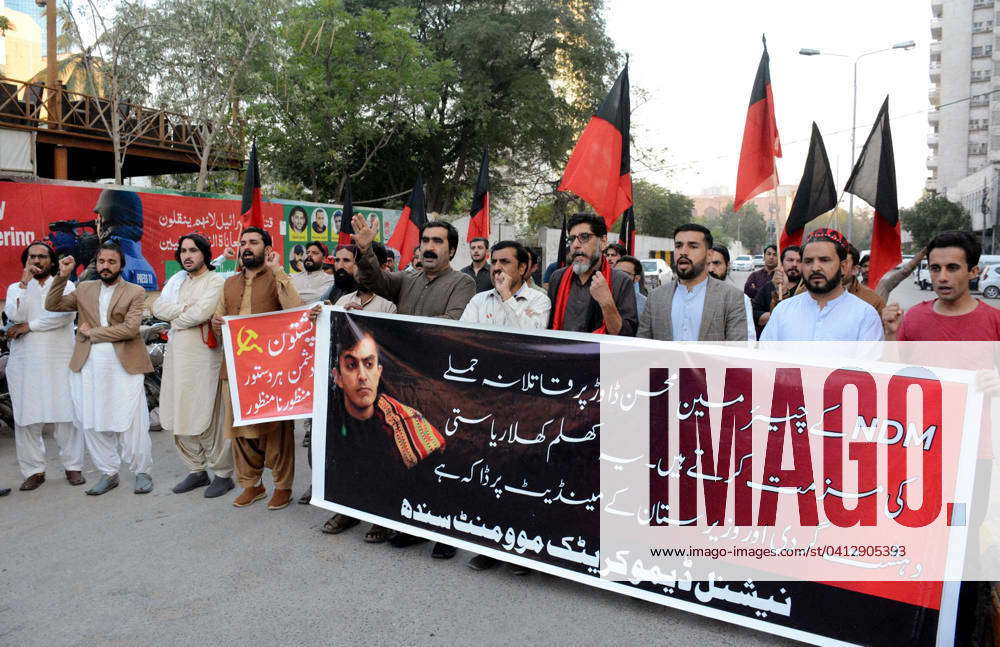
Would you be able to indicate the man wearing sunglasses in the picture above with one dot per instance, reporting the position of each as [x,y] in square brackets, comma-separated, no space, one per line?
[588,295]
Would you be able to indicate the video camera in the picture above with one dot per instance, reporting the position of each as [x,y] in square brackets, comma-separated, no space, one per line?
[77,238]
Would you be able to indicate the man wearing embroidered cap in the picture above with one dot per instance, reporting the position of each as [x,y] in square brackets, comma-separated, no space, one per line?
[826,311]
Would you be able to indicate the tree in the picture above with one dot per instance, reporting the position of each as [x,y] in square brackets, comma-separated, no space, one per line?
[205,78]
[115,51]
[341,88]
[658,211]
[746,226]
[931,215]
[519,77]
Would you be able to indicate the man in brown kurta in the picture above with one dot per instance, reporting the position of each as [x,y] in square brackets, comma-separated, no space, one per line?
[262,286]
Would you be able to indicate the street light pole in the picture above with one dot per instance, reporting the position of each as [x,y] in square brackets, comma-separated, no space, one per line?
[905,45]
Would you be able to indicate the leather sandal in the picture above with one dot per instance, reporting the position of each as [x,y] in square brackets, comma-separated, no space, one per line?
[338,523]
[376,535]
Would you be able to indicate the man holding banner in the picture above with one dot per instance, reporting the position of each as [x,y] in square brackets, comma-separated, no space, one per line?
[261,286]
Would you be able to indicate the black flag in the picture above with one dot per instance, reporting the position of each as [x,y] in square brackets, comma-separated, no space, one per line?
[816,193]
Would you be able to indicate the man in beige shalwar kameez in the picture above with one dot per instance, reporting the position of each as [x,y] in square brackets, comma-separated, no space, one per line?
[262,286]
[191,370]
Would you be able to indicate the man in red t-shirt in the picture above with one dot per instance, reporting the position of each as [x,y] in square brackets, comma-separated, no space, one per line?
[955,315]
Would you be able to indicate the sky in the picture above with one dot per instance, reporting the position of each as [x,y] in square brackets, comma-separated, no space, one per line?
[697,61]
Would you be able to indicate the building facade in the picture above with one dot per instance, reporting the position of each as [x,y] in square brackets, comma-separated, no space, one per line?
[33,11]
[19,46]
[964,119]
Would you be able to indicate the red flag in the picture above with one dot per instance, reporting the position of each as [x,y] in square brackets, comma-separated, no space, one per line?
[406,235]
[874,181]
[626,235]
[479,224]
[599,169]
[757,172]
[346,227]
[251,212]
[816,193]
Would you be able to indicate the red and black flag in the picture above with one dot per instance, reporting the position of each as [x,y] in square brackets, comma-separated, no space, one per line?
[479,223]
[874,181]
[757,172]
[626,234]
[251,212]
[816,193]
[346,226]
[599,169]
[406,235]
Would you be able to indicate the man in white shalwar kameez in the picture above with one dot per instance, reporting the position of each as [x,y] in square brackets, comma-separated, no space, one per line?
[191,370]
[41,343]
[106,369]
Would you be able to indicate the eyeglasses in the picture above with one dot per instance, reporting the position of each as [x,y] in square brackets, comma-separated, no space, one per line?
[584,238]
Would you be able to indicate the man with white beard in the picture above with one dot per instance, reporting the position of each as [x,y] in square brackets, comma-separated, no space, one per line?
[588,295]
[106,370]
[41,344]
[188,403]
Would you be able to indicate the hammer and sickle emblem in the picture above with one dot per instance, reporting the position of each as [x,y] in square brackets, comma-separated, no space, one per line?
[243,341]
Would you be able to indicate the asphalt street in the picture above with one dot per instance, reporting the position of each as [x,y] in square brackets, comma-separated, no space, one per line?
[123,569]
[169,569]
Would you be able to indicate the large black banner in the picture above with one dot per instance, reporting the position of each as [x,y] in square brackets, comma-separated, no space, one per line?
[490,440]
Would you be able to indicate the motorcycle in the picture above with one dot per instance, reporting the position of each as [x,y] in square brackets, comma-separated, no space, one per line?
[154,333]
[6,406]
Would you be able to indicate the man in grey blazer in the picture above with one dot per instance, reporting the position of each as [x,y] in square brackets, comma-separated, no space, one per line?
[697,307]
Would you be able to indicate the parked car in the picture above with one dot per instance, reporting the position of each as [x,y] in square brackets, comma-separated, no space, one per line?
[743,263]
[923,278]
[758,261]
[989,281]
[656,272]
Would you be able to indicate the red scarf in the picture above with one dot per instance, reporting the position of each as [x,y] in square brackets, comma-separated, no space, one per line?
[562,296]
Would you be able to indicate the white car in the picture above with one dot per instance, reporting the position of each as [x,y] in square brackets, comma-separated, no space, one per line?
[656,272]
[923,279]
[989,281]
[758,261]
[743,263]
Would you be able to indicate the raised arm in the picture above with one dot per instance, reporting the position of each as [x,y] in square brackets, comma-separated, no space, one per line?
[58,300]
[53,320]
[371,276]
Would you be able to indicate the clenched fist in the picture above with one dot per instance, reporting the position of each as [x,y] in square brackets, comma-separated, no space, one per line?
[66,265]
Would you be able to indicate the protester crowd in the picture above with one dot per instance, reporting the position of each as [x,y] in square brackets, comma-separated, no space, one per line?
[77,358]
